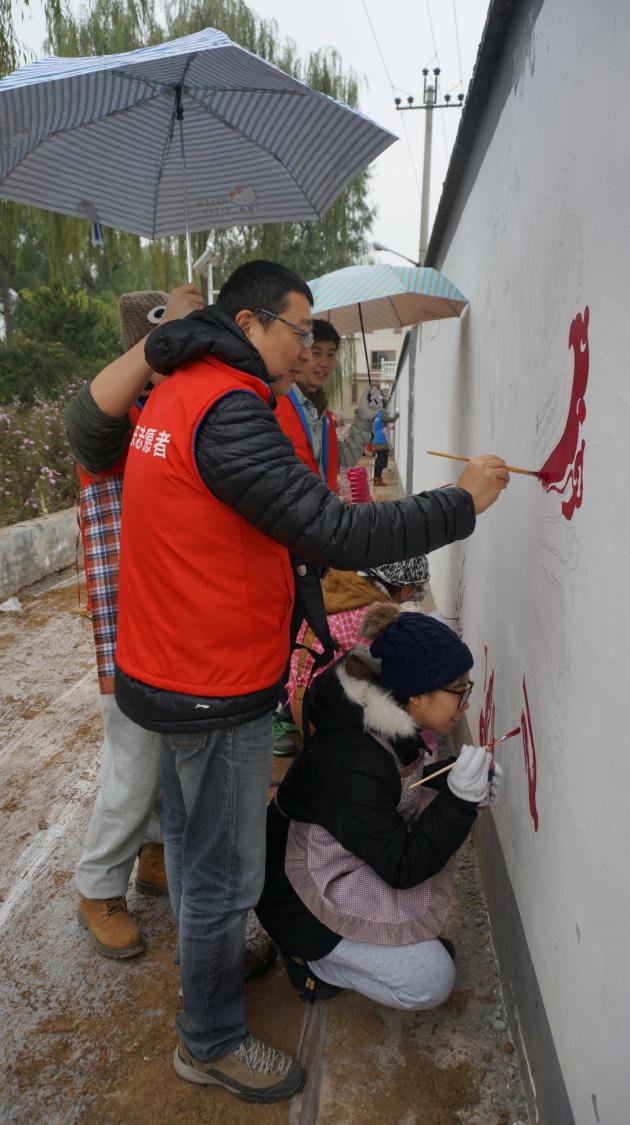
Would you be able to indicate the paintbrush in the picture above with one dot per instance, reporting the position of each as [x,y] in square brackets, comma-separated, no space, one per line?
[489,746]
[510,734]
[538,473]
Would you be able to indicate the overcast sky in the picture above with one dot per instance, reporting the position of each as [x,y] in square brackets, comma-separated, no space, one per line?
[411,34]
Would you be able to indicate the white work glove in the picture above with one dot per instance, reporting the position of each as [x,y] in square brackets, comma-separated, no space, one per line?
[369,404]
[468,778]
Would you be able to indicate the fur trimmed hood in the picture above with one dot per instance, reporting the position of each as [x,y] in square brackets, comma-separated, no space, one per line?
[342,707]
[382,715]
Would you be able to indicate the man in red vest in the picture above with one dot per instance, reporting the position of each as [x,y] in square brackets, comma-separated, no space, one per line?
[311,427]
[214,497]
[307,421]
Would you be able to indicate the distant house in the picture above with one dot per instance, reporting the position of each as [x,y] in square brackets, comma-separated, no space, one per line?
[384,350]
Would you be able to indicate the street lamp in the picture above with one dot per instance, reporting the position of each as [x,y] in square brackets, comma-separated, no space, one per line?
[388,250]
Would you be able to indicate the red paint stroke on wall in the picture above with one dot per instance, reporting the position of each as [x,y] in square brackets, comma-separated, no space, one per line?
[486,715]
[529,750]
[563,470]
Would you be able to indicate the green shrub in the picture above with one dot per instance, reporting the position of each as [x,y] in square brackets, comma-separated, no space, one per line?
[37,471]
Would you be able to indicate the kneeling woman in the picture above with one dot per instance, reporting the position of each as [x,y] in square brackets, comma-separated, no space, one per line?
[359,863]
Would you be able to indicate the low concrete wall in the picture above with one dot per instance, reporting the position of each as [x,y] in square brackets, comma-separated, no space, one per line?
[34,548]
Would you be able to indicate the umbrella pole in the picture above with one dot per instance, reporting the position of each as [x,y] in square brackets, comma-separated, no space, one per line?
[367,362]
[179,113]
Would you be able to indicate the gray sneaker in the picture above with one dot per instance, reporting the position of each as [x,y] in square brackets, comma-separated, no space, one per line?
[253,1072]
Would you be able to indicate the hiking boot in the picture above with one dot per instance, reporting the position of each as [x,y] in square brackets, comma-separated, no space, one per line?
[253,1072]
[151,873]
[378,481]
[303,979]
[111,929]
[260,956]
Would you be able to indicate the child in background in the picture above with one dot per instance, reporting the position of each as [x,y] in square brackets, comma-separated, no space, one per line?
[360,864]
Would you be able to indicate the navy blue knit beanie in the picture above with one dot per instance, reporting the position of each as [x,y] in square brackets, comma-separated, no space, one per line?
[419,654]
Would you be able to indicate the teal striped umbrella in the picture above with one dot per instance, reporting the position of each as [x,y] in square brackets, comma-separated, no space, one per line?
[366,298]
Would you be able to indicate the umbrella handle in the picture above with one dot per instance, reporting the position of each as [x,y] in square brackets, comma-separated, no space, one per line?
[367,362]
[179,114]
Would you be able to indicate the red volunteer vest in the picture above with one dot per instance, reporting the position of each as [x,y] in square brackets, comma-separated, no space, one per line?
[295,426]
[205,598]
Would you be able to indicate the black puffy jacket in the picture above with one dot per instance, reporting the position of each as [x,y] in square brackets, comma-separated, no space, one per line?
[247,462]
[345,781]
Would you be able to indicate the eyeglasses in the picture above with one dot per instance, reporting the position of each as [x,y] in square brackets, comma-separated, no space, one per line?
[307,336]
[463,693]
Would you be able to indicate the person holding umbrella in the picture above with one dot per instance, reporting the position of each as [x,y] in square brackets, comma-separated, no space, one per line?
[206,595]
[310,425]
[126,820]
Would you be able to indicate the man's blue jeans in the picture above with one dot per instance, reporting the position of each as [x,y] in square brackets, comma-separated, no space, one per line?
[215,802]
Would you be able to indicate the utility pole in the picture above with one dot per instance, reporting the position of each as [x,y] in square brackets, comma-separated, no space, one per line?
[429,104]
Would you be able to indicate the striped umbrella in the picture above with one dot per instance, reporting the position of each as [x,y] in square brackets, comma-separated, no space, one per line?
[366,298]
[180,137]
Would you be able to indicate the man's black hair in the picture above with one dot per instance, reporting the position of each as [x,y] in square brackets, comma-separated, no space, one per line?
[260,285]
[324,332]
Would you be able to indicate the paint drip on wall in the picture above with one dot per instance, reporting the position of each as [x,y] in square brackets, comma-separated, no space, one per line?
[529,751]
[563,471]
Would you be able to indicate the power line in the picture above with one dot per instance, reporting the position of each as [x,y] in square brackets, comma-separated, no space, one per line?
[459,54]
[436,55]
[412,161]
[378,46]
[394,90]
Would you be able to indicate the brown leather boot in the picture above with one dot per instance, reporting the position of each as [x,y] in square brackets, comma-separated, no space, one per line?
[112,930]
[151,873]
[378,481]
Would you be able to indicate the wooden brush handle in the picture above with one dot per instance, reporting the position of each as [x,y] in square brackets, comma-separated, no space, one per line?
[455,457]
[426,780]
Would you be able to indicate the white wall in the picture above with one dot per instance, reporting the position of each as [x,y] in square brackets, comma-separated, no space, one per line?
[545,232]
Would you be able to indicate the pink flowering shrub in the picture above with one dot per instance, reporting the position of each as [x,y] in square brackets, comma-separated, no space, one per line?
[37,470]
